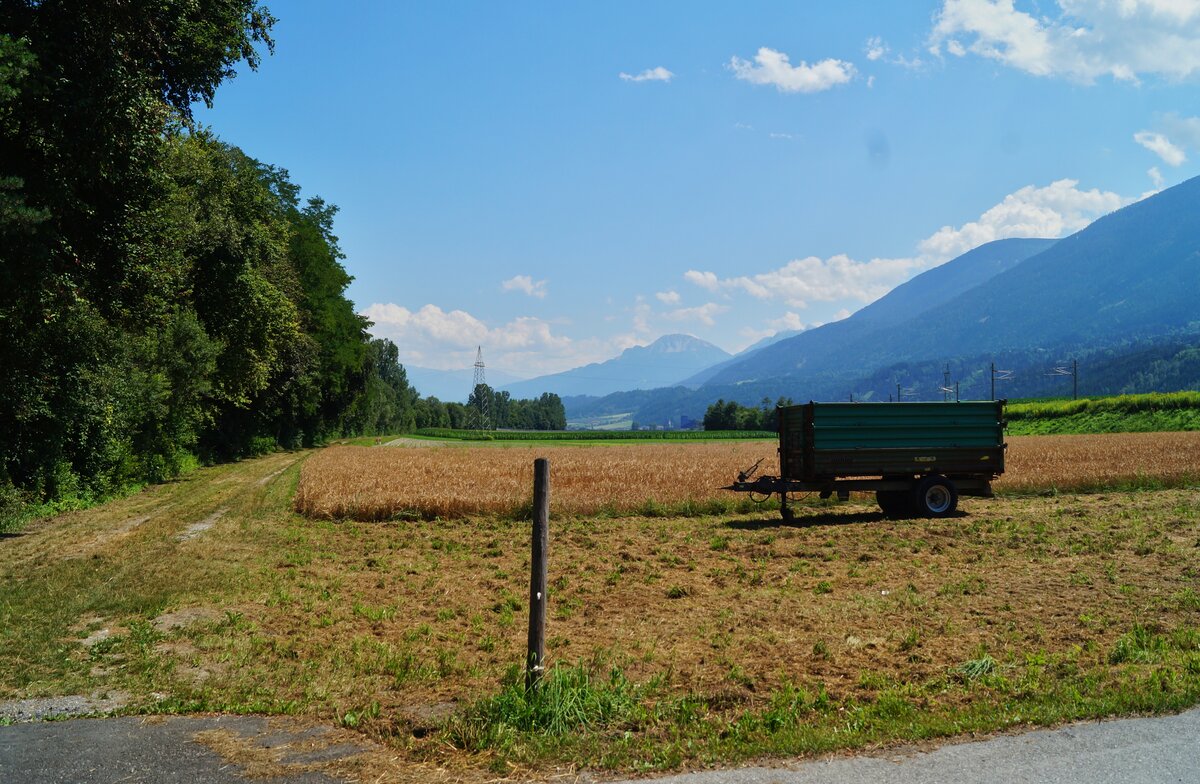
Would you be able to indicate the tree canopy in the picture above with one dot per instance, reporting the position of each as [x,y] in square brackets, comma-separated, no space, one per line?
[163,296]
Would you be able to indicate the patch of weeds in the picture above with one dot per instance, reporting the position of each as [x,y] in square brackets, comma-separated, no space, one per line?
[820,649]
[446,614]
[568,700]
[719,543]
[739,676]
[374,614]
[911,641]
[974,585]
[1187,600]
[678,592]
[975,669]
[565,608]
[487,643]
[822,588]
[354,718]
[1138,646]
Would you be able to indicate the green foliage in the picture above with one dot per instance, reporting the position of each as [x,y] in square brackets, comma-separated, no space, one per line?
[1155,411]
[733,416]
[163,296]
[568,700]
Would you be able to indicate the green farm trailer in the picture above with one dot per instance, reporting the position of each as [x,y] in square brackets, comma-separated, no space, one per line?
[917,458]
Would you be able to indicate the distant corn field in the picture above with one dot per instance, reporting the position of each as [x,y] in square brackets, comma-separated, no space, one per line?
[382,483]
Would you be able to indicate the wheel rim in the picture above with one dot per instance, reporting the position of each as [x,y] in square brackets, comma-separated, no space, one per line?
[937,499]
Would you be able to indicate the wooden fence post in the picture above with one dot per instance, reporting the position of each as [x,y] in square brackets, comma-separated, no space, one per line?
[537,573]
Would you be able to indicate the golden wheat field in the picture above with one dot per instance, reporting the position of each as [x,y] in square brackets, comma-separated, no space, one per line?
[369,483]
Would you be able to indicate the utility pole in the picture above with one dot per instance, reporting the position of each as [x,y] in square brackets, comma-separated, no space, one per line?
[999,375]
[1073,372]
[946,383]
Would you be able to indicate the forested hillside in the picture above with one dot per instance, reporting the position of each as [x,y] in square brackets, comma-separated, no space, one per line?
[164,298]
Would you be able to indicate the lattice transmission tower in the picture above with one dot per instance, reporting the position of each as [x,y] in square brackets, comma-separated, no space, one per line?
[481,418]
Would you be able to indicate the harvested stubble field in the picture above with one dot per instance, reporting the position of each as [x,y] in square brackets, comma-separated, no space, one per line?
[379,484]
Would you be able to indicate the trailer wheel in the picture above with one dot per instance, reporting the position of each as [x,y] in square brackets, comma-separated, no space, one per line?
[935,496]
[894,503]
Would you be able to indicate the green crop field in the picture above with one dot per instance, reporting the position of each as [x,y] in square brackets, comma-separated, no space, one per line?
[1153,412]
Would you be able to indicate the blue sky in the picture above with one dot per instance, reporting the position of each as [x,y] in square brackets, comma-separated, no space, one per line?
[559,181]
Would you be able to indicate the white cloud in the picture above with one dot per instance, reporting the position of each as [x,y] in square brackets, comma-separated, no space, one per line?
[668,297]
[1156,177]
[788,321]
[1051,211]
[781,135]
[658,74]
[871,81]
[775,68]
[1161,146]
[1085,40]
[526,284]
[875,48]
[705,313]
[705,280]
[446,340]
[811,279]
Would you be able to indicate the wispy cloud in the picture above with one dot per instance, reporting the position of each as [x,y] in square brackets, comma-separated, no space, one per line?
[705,314]
[668,297]
[1161,146]
[658,74]
[526,284]
[445,340]
[774,68]
[1085,40]
[875,48]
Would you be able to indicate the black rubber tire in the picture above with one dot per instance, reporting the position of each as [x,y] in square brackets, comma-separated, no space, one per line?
[935,496]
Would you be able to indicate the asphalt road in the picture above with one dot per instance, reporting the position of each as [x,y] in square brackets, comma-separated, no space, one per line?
[135,751]
[1125,751]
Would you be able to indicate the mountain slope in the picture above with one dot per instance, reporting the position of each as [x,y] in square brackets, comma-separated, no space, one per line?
[1130,275]
[827,345]
[709,372]
[659,364]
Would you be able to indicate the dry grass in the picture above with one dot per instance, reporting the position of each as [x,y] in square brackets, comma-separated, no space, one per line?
[379,484]
[1089,462]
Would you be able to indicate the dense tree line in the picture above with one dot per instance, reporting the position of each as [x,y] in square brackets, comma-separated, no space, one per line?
[504,413]
[163,296]
[731,415]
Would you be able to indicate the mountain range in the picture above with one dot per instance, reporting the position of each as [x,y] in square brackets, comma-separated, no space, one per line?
[664,362]
[1126,286]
